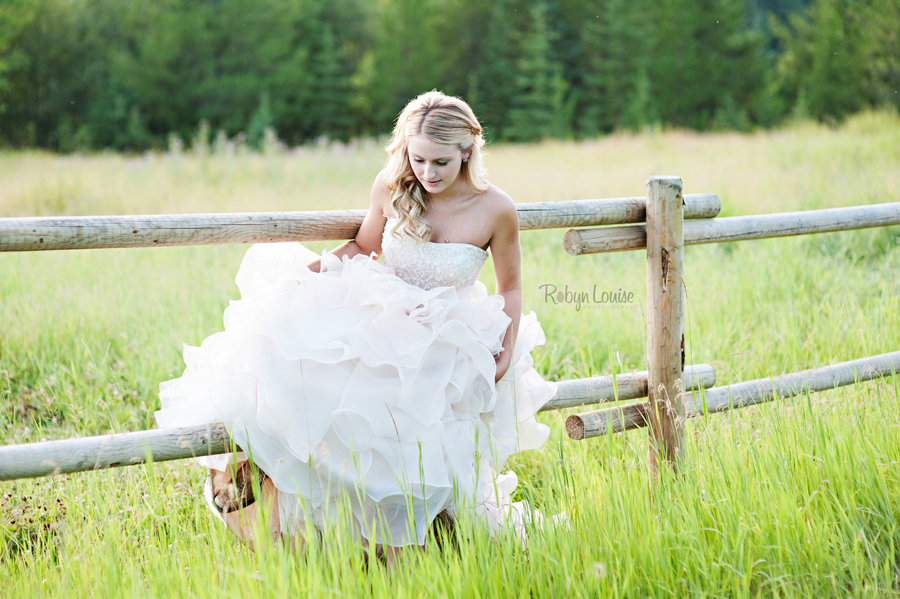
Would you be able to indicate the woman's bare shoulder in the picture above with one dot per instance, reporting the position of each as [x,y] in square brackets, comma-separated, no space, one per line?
[380,197]
[379,186]
[499,206]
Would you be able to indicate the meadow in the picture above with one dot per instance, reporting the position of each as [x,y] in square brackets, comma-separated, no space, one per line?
[797,497]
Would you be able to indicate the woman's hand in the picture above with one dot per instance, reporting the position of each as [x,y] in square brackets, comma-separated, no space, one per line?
[368,238]
[502,361]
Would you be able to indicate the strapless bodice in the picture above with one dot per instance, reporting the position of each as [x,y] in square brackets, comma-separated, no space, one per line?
[429,265]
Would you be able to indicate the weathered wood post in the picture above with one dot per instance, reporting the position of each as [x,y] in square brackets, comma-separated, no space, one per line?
[665,320]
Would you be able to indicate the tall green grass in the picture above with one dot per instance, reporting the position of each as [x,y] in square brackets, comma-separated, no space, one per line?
[794,498]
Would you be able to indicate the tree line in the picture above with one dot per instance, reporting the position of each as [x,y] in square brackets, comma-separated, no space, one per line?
[127,75]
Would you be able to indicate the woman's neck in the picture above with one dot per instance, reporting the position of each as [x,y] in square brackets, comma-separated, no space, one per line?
[458,190]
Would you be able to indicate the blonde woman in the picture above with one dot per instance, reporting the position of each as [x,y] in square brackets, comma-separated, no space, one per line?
[399,389]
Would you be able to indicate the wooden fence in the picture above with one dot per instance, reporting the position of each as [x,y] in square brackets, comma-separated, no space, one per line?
[664,235]
[665,385]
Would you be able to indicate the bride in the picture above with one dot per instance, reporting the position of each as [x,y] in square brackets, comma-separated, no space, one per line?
[397,389]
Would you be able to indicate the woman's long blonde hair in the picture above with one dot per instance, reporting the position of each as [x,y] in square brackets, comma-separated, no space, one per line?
[442,119]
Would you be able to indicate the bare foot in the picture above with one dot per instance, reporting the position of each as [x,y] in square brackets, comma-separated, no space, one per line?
[233,489]
[235,497]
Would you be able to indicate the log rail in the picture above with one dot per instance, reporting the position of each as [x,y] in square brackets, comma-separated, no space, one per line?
[738,395]
[737,228]
[30,460]
[97,232]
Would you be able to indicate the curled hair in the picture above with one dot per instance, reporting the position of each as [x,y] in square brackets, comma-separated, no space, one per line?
[442,119]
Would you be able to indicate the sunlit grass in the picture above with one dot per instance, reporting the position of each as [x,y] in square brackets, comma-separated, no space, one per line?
[795,498]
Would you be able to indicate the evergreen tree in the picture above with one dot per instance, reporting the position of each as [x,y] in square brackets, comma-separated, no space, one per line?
[618,91]
[759,12]
[168,66]
[640,108]
[824,70]
[882,75]
[105,74]
[705,53]
[51,74]
[260,120]
[15,15]
[536,110]
[115,115]
[491,79]
[594,115]
[406,61]
[331,35]
[834,84]
[331,91]
[566,51]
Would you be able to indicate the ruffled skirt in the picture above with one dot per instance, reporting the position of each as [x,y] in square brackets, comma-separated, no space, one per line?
[352,386]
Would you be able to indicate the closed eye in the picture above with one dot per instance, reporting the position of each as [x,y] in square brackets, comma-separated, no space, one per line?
[438,162]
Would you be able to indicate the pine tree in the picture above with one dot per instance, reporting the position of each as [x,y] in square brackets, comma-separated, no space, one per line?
[618,50]
[537,108]
[593,113]
[406,61]
[834,84]
[261,120]
[50,74]
[827,65]
[330,95]
[882,79]
[15,15]
[639,109]
[704,53]
[75,73]
[491,80]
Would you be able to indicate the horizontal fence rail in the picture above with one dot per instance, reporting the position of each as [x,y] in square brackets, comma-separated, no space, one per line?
[96,232]
[622,387]
[739,395]
[31,460]
[737,228]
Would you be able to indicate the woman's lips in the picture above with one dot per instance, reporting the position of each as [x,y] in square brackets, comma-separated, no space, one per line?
[433,183]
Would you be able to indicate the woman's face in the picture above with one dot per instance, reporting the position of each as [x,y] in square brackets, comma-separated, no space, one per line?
[435,165]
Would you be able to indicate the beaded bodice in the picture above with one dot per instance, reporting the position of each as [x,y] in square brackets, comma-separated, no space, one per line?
[429,265]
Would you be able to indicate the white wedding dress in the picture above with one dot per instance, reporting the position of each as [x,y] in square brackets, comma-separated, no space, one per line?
[371,384]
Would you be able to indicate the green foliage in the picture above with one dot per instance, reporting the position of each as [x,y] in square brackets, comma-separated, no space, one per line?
[705,54]
[48,74]
[836,57]
[830,48]
[407,61]
[536,110]
[882,73]
[330,97]
[616,90]
[77,75]
[14,16]
[261,120]
[488,73]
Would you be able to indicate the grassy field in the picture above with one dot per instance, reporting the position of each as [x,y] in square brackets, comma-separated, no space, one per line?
[795,498]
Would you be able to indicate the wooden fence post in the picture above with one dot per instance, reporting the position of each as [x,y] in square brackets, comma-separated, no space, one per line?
[665,320]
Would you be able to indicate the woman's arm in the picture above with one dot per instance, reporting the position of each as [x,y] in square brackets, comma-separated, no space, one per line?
[507,255]
[368,238]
